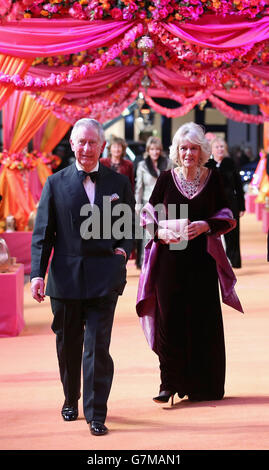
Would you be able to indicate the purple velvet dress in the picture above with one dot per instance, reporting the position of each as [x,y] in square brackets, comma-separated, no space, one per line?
[188,326]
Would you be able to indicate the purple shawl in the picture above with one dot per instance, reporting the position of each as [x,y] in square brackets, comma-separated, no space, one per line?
[146,297]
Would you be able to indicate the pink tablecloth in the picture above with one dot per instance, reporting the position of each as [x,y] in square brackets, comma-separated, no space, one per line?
[11,302]
[19,245]
[250,202]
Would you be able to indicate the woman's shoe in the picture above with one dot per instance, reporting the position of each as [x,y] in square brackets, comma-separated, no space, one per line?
[164,397]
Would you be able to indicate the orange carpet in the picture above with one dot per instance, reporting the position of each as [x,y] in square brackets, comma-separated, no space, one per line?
[31,394]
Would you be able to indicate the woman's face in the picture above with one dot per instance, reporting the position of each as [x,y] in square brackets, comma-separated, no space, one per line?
[218,150]
[116,150]
[154,152]
[189,154]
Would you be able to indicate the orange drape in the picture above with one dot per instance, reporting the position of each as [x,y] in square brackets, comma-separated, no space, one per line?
[266,136]
[54,132]
[30,117]
[11,65]
[17,200]
[43,171]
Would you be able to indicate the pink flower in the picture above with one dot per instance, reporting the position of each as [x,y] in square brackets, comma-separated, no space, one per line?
[163,12]
[77,12]
[83,70]
[28,3]
[29,81]
[116,13]
[4,6]
[98,13]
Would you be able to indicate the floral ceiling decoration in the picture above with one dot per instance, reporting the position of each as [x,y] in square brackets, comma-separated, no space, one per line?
[169,10]
[102,53]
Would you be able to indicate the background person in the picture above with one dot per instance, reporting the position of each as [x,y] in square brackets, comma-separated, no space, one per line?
[235,196]
[147,173]
[116,159]
[85,275]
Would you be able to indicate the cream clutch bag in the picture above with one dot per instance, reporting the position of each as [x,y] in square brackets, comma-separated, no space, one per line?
[172,229]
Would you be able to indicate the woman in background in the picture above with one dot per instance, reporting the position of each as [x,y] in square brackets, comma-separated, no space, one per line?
[148,171]
[116,161]
[235,196]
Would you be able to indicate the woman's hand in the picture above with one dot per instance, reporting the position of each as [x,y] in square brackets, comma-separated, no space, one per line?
[194,229]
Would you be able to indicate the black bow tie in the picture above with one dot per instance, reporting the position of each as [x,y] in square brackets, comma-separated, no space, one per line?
[93,175]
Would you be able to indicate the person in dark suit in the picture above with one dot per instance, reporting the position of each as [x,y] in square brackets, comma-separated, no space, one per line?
[235,196]
[87,271]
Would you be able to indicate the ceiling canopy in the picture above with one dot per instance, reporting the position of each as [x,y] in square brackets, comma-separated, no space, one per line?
[100,54]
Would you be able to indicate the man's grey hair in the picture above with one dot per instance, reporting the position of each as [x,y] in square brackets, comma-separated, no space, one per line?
[87,122]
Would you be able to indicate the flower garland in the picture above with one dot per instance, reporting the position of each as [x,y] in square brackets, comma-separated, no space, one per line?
[236,115]
[28,160]
[77,73]
[128,56]
[187,105]
[199,98]
[192,55]
[258,87]
[107,108]
[228,111]
[180,10]
[49,159]
[19,160]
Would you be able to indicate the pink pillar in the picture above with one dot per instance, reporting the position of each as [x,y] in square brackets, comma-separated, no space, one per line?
[11,301]
[258,210]
[265,220]
[250,202]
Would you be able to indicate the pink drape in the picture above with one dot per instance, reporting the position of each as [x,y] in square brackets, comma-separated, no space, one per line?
[175,80]
[10,113]
[99,83]
[42,38]
[37,139]
[221,33]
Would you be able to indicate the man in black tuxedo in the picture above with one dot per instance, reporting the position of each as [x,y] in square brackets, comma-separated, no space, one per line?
[87,270]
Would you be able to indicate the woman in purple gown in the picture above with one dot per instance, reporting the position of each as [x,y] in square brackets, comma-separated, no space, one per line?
[178,296]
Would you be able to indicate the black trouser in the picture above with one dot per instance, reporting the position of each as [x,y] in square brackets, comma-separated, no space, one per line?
[85,323]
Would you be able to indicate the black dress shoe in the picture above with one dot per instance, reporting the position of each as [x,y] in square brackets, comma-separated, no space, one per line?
[69,413]
[98,429]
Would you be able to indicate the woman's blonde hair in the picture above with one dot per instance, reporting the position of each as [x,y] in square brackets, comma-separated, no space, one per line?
[195,135]
[117,140]
[219,139]
[153,141]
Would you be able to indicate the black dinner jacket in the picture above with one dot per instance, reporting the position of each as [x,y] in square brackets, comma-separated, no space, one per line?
[80,268]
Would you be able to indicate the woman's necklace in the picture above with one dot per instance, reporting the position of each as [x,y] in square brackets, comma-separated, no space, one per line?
[189,187]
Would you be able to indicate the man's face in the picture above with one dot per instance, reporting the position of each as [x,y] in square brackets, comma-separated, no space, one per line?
[87,147]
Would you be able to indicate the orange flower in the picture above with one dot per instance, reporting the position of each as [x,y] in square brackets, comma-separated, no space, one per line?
[135,61]
[216,4]
[44,13]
